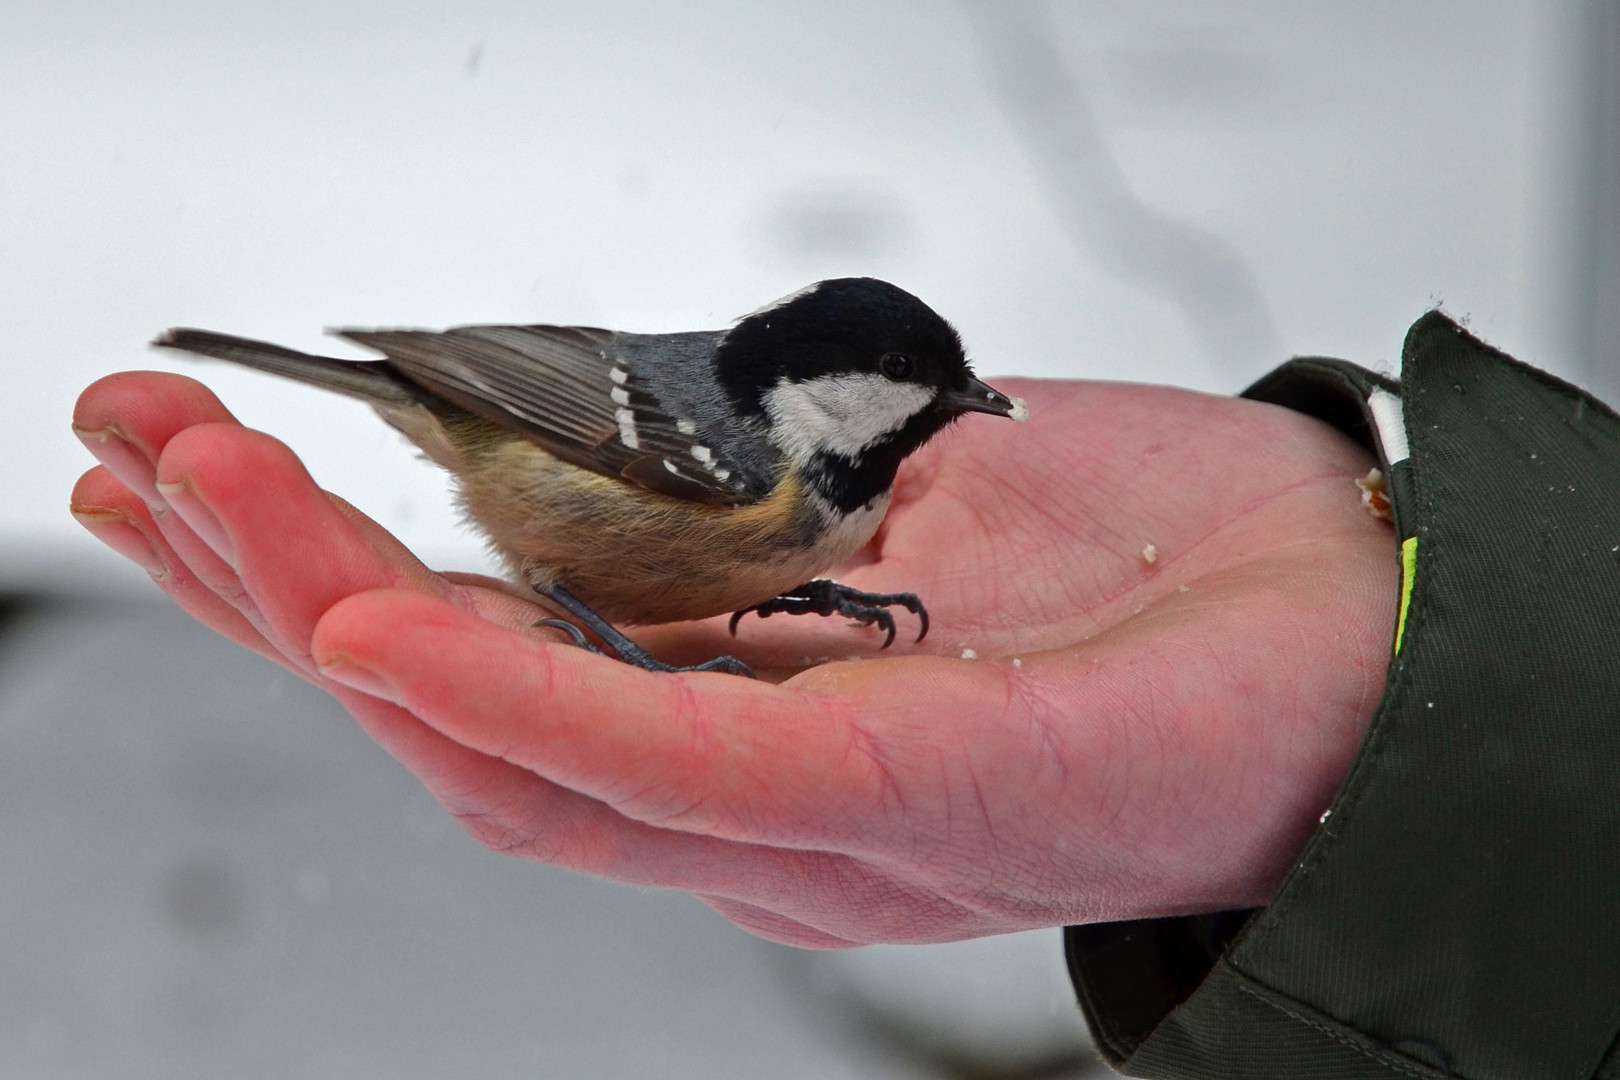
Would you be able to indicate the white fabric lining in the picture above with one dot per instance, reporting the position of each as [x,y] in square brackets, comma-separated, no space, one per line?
[1391,424]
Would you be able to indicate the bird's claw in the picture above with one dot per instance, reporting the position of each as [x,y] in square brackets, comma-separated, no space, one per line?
[821,597]
[580,640]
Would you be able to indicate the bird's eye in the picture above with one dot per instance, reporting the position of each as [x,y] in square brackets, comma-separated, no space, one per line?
[897,366]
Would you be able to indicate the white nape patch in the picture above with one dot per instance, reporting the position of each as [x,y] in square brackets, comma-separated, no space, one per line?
[1020,411]
[788,299]
[721,475]
[619,376]
[686,427]
[620,395]
[840,414]
[627,428]
[703,454]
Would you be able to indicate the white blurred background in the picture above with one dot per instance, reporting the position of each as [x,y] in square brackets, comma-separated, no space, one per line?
[1181,192]
[1318,174]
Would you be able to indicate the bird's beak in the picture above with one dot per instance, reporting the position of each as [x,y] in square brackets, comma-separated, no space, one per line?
[979,397]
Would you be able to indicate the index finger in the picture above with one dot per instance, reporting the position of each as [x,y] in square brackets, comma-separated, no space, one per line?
[715,754]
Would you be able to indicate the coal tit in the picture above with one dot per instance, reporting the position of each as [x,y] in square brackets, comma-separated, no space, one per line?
[651,478]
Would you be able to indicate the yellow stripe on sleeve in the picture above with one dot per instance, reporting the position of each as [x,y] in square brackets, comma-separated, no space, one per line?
[1408,569]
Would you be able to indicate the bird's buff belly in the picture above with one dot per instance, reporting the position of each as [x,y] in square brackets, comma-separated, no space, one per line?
[641,558]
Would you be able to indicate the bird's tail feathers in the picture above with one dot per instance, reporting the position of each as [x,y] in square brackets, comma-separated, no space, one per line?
[367,380]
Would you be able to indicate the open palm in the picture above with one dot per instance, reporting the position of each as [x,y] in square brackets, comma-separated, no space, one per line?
[1160,624]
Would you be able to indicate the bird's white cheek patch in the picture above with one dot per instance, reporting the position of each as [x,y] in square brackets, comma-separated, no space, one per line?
[840,414]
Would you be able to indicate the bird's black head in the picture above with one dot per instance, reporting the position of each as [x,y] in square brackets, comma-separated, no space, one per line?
[849,377]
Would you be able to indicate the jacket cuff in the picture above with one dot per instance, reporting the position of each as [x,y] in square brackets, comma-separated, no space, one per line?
[1454,915]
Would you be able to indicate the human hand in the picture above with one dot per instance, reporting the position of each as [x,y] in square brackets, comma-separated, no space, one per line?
[1139,736]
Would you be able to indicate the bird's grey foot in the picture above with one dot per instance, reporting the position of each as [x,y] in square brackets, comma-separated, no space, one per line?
[821,597]
[618,646]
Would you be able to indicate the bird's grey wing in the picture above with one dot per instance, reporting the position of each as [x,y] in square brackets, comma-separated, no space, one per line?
[568,389]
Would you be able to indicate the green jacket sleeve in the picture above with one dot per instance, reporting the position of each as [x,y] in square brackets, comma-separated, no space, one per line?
[1457,913]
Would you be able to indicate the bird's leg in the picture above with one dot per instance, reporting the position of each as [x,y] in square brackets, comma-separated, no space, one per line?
[821,597]
[618,646]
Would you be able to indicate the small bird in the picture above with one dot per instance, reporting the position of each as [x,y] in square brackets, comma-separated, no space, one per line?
[652,478]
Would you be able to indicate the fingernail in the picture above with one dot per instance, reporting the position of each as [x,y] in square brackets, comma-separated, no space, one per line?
[124,459]
[184,502]
[344,670]
[119,532]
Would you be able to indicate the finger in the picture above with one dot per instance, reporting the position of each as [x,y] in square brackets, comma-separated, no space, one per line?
[127,419]
[387,546]
[119,518]
[252,502]
[584,835]
[518,813]
[105,507]
[497,801]
[829,900]
[708,753]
